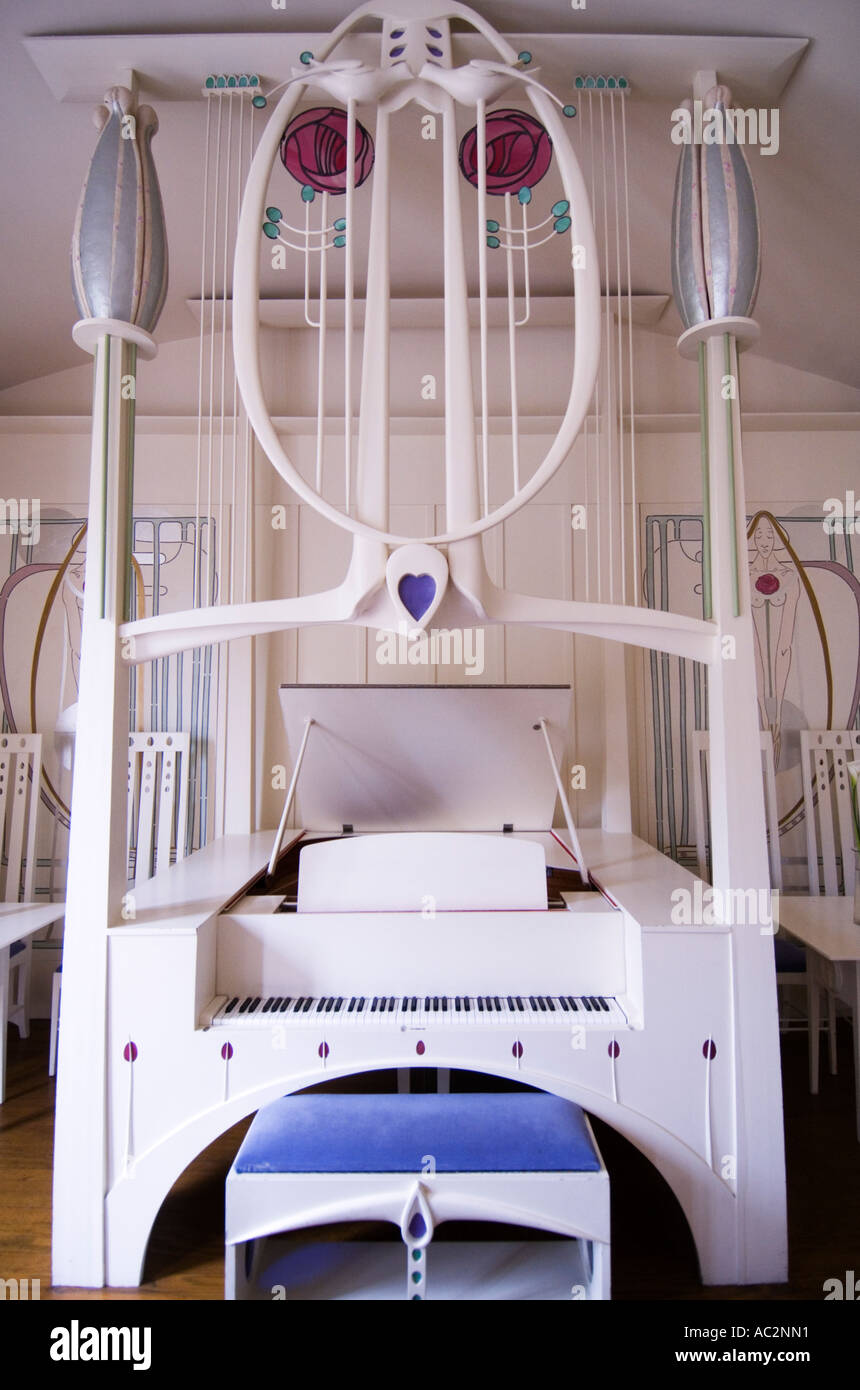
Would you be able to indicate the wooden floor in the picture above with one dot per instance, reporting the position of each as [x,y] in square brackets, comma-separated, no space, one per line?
[652,1252]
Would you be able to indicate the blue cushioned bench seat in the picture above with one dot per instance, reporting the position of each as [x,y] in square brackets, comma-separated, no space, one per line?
[790,958]
[521,1132]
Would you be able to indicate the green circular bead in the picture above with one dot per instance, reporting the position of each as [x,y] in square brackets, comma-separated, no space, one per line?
[569,111]
[231,81]
[622,81]
[416,1254]
[492,224]
[580,82]
[340,224]
[524,57]
[258,102]
[559,209]
[340,241]
[270,230]
[306,57]
[416,1298]
[416,1276]
[221,82]
[601,82]
[243,81]
[210,82]
[493,242]
[308,193]
[253,80]
[590,83]
[563,224]
[610,82]
[274,214]
[525,195]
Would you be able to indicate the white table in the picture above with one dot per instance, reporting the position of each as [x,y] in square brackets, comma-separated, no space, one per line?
[826,926]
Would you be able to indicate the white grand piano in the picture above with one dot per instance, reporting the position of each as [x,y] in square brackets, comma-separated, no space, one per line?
[429,912]
[430,916]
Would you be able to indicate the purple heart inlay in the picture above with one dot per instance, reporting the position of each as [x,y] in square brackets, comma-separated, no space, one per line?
[417,592]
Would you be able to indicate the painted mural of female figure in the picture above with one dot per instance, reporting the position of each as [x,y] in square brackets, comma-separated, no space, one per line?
[774,592]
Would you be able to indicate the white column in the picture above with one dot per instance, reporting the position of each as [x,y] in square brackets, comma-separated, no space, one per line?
[738,837]
[97,842]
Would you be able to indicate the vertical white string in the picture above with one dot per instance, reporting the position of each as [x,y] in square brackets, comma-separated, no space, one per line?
[598,423]
[607,322]
[580,140]
[481,131]
[616,204]
[634,515]
[240,152]
[222,411]
[195,585]
[349,292]
[321,342]
[512,346]
[213,298]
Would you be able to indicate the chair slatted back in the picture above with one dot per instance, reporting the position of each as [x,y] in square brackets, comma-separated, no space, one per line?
[20,777]
[827,805]
[157,801]
[701,747]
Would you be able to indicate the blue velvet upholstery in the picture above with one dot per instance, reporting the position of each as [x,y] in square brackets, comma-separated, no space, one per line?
[790,958]
[514,1132]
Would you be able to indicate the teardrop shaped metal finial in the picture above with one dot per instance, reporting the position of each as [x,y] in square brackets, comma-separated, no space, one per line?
[119,247]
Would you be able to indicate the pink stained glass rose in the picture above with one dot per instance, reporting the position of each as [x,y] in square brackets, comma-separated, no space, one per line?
[767,584]
[313,150]
[519,152]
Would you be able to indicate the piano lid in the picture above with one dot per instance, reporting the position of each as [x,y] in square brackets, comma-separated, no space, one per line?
[425,757]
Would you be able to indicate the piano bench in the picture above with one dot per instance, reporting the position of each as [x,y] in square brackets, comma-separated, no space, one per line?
[522,1158]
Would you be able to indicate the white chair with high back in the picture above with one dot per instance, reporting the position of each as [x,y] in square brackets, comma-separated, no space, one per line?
[825,754]
[21,916]
[157,818]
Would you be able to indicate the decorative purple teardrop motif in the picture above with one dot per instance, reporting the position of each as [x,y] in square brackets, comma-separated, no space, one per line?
[417,1226]
[417,592]
[517,1050]
[420,1048]
[129,1052]
[613,1049]
[709,1049]
[323,1050]
[227,1051]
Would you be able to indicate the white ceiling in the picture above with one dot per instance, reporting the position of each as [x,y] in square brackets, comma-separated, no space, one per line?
[808,192]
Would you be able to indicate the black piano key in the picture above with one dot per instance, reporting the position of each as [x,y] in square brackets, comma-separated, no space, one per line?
[338,1004]
[231,1006]
[467,1003]
[361,1003]
[243,1007]
[255,1004]
[427,1002]
[520,1005]
[352,1003]
[268,1004]
[488,1003]
[329,1004]
[307,1004]
[541,1003]
[392,1004]
[276,1003]
[444,1004]
[375,1005]
[564,1004]
[587,1004]
[595,1004]
[413,1004]
[498,1003]
[510,1001]
[533,1002]
[480,1005]
[603,1004]
[321,1005]
[573,1004]
[383,1004]
[550,1005]
[435,1003]
[457,1004]
[404,1003]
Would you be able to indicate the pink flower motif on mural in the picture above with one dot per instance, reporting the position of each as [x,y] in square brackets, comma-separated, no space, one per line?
[519,152]
[313,150]
[767,584]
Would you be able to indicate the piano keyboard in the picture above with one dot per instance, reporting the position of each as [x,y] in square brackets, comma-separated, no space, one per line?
[417,1011]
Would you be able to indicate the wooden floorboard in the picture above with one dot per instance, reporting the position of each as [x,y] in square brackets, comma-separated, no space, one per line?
[652,1251]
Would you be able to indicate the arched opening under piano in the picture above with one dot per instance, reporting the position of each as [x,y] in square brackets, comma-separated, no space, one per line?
[653,1236]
